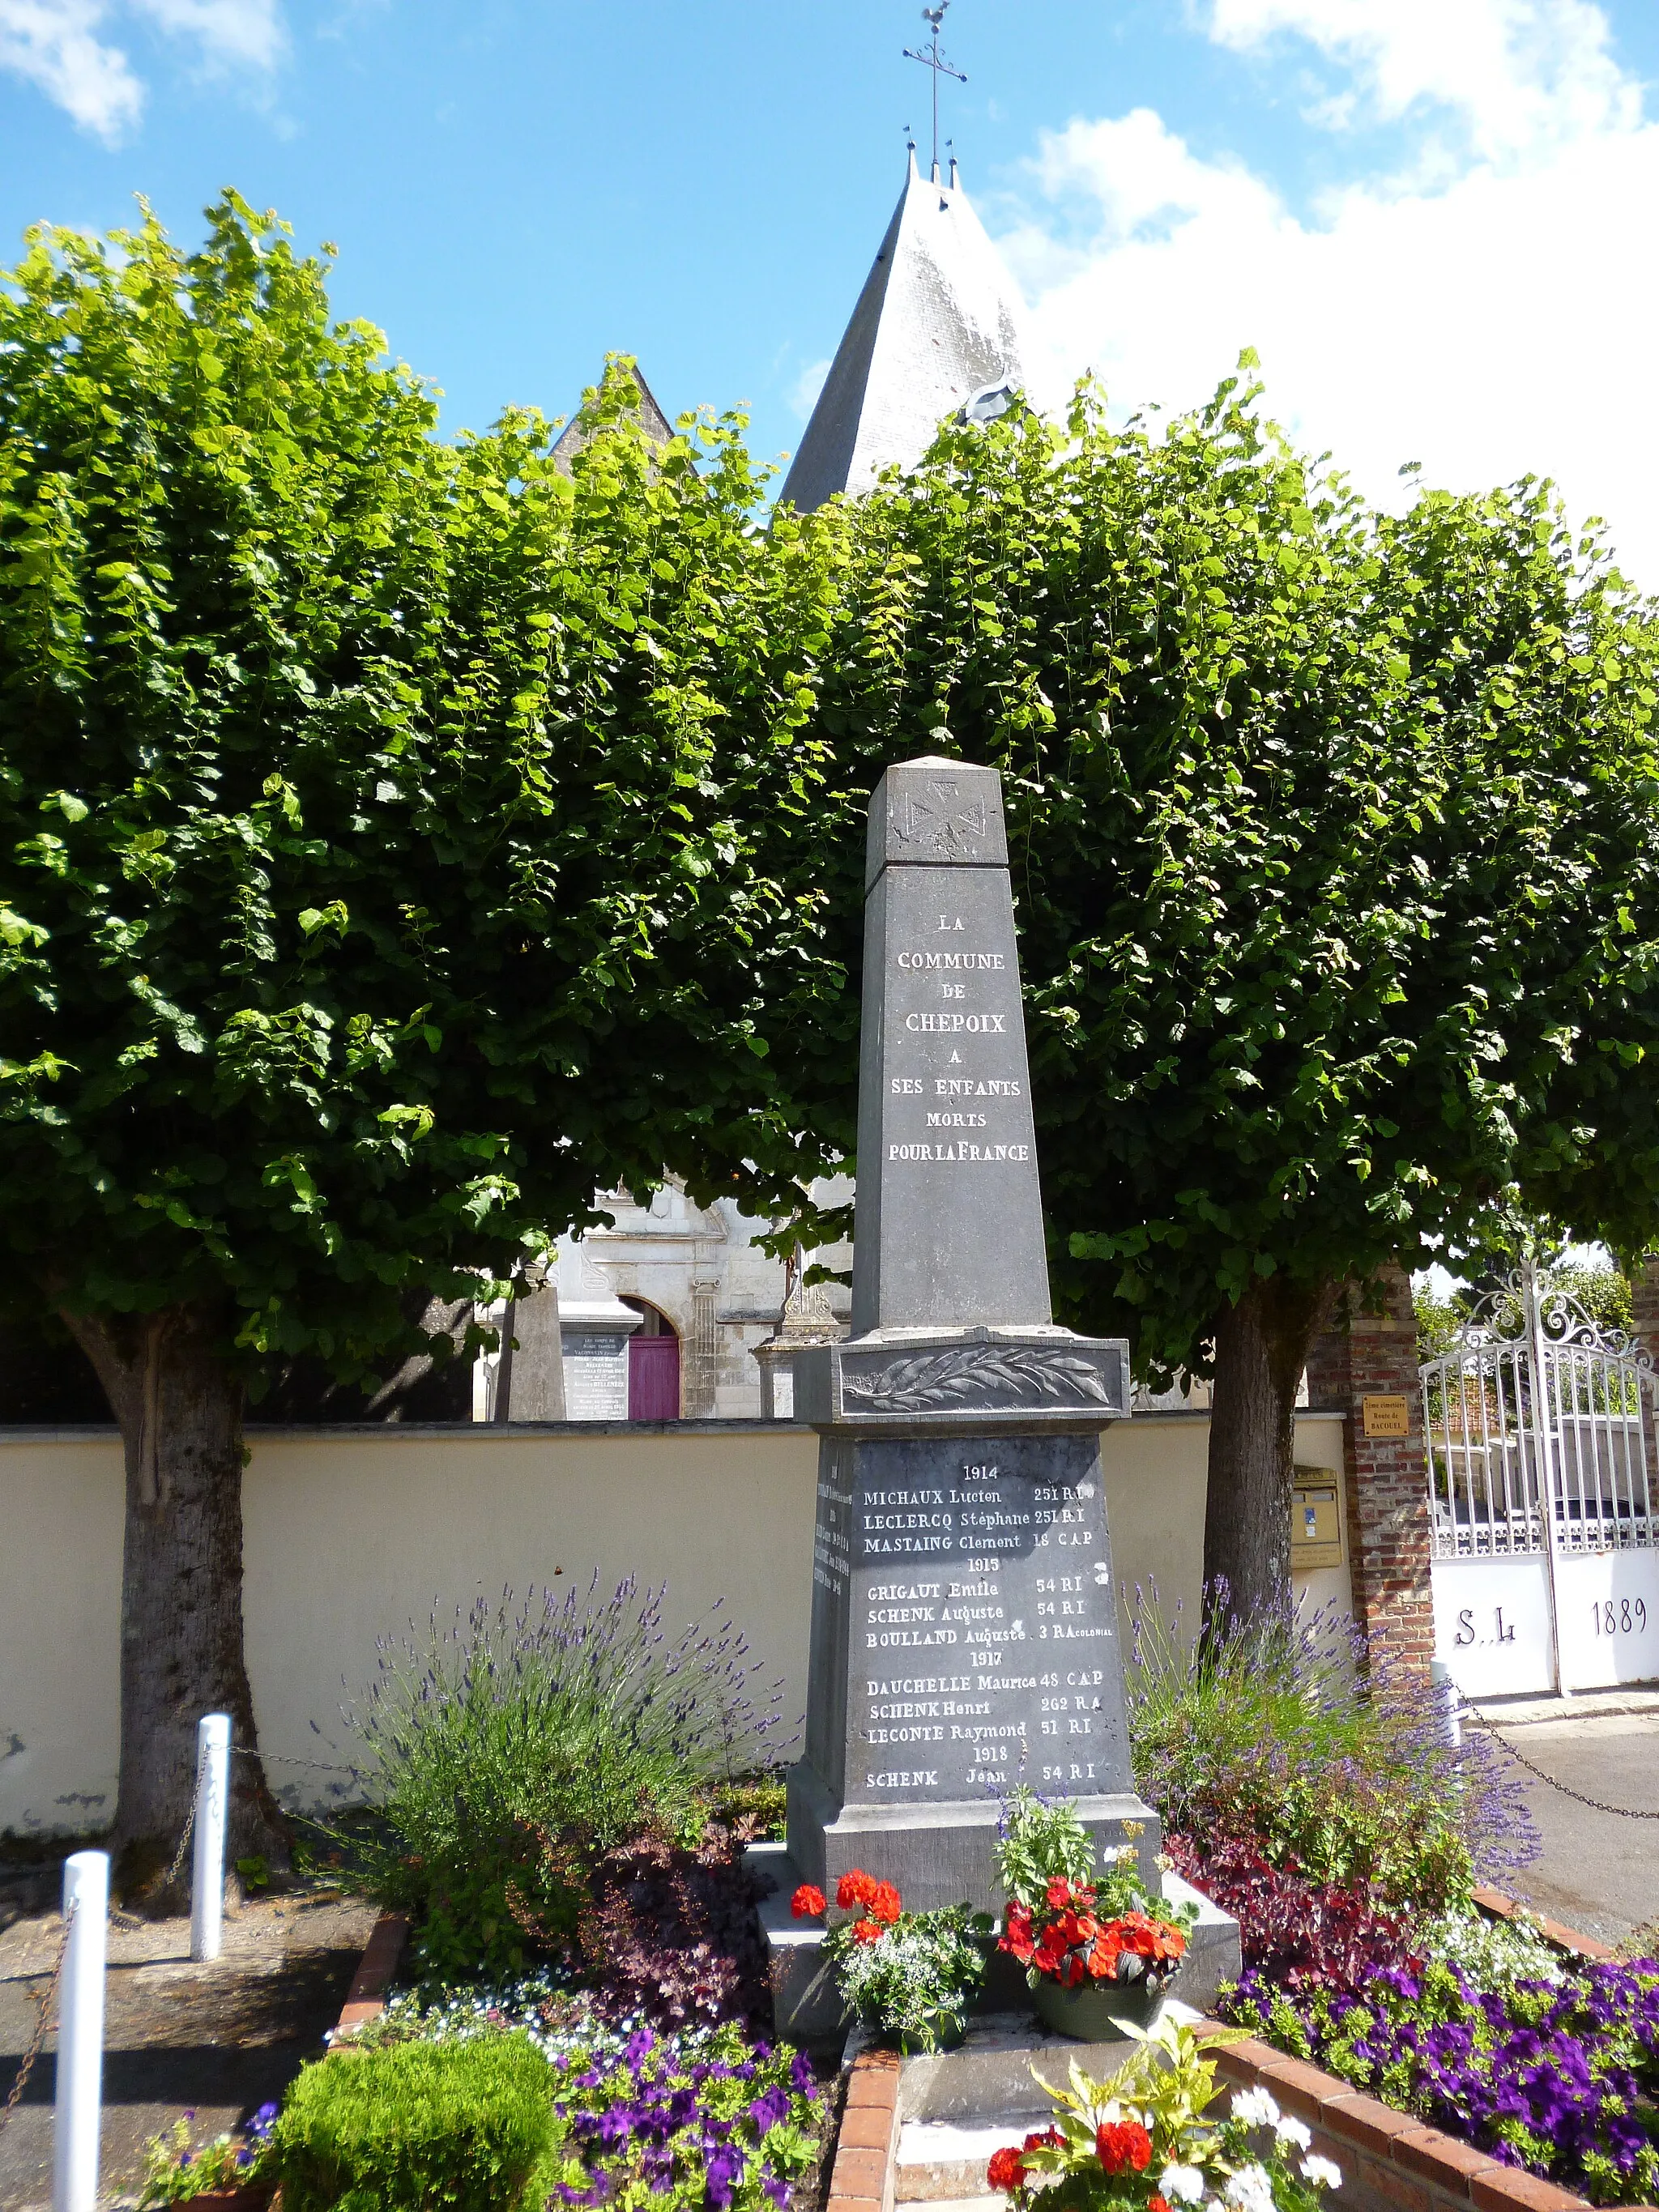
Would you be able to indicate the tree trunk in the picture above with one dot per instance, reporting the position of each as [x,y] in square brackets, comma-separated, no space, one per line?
[181,1416]
[1260,1349]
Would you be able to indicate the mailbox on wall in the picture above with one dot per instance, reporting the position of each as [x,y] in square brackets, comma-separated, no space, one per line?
[1315,1520]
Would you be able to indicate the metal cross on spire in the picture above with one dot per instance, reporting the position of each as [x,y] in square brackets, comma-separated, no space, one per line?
[932,58]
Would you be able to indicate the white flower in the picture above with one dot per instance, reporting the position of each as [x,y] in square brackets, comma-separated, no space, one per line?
[1255,2108]
[1182,2184]
[1322,2173]
[1251,2189]
[1293,2131]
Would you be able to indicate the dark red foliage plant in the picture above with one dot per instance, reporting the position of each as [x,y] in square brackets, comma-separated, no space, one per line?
[673,1934]
[1299,1934]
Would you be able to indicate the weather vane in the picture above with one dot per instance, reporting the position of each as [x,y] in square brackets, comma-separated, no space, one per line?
[932,58]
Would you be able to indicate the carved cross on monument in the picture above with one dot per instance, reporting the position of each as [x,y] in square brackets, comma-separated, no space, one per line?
[964,1628]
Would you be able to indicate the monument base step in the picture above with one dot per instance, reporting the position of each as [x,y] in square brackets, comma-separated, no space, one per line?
[941,2163]
[958,2106]
[807,2009]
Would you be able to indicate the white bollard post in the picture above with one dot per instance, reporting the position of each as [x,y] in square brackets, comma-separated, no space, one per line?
[80,2034]
[207,1889]
[1448,1704]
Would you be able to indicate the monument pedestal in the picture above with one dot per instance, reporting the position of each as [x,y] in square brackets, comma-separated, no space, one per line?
[964,1619]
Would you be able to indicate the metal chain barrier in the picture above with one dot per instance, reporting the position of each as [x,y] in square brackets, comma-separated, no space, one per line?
[125,1920]
[46,2001]
[1595,1804]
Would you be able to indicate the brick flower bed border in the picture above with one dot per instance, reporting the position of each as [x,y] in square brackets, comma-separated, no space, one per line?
[365,1999]
[862,2178]
[1390,2161]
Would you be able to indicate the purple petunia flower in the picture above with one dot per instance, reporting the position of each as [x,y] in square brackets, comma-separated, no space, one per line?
[769,2109]
[723,2172]
[801,2078]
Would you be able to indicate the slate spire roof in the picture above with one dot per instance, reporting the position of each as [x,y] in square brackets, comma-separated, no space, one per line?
[937,327]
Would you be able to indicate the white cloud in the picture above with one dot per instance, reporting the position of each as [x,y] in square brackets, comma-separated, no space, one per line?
[55,44]
[803,391]
[1520,74]
[1488,312]
[51,43]
[232,34]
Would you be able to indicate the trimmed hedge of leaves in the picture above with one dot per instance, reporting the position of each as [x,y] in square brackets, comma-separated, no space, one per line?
[470,2126]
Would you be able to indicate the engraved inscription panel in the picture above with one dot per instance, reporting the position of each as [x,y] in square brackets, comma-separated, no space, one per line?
[982,1628]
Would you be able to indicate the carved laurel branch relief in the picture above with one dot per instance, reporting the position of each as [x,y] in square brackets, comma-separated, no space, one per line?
[1027,1374]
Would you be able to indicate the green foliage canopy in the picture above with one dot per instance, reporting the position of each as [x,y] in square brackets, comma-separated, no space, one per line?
[378,816]
[1332,839]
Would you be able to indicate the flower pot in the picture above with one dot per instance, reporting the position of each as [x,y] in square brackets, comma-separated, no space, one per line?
[948,2031]
[1095,2012]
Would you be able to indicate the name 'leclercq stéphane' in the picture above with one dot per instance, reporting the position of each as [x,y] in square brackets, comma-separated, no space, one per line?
[965,1632]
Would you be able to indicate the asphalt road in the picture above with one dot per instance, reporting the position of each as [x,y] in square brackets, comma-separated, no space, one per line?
[1599,1873]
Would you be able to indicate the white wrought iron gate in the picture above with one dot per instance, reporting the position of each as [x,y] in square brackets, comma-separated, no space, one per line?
[1539,1428]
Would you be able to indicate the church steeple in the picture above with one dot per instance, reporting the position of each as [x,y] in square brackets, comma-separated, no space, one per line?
[937,327]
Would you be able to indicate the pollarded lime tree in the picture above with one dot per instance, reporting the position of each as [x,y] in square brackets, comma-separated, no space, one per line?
[377,865]
[1333,845]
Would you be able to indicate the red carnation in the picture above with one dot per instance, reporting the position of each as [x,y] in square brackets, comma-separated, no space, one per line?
[807,1902]
[884,1904]
[855,1890]
[1006,2171]
[1123,2144]
[868,1932]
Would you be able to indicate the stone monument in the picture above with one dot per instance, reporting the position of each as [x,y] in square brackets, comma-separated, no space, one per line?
[965,1632]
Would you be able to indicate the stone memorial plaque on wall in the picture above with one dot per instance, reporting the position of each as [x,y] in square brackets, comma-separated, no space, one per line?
[970,1592]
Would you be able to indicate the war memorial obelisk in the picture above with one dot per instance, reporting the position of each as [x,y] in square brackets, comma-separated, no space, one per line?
[964,1628]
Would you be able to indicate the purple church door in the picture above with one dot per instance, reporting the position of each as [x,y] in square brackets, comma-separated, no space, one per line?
[653,1378]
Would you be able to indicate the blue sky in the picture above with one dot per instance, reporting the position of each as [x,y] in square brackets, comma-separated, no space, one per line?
[1435,219]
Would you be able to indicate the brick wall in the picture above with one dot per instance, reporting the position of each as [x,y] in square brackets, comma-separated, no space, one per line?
[1357,1355]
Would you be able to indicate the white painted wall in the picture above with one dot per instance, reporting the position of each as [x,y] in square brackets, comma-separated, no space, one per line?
[353,1534]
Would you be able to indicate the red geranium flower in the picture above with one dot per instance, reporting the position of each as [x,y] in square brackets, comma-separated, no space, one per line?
[1049,2139]
[807,1902]
[1016,1932]
[1049,1952]
[855,1890]
[1157,2203]
[884,1904]
[1103,1956]
[1005,2171]
[1060,1892]
[1123,2144]
[868,1932]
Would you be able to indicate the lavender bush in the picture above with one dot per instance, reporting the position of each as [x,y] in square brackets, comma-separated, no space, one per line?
[1558,2074]
[1293,1736]
[510,1750]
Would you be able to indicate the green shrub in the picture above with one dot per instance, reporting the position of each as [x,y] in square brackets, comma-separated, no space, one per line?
[1293,1737]
[418,2125]
[511,1750]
